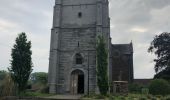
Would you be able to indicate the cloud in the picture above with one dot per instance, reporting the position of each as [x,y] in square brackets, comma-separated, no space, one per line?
[139,21]
[136,20]
[137,29]
[32,17]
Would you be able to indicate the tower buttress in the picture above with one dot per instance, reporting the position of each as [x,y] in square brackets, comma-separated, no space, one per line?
[54,48]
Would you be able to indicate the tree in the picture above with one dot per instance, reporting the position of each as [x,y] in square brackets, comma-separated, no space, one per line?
[164,74]
[21,63]
[39,77]
[102,62]
[161,47]
[38,82]
[159,87]
[2,74]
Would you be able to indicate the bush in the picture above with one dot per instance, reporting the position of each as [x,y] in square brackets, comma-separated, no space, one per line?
[153,98]
[100,97]
[167,98]
[145,91]
[135,88]
[159,87]
[8,88]
[45,89]
[122,98]
[149,96]
[111,97]
[143,98]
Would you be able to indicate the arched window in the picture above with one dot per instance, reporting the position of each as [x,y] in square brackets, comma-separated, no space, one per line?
[79,59]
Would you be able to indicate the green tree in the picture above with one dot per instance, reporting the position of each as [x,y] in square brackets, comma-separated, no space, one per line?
[2,74]
[161,47]
[159,87]
[39,77]
[21,63]
[164,74]
[102,62]
[135,88]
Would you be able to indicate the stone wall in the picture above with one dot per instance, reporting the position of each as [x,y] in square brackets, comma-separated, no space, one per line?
[76,25]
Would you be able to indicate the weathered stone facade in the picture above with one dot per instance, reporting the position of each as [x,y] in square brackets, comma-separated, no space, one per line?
[122,62]
[76,25]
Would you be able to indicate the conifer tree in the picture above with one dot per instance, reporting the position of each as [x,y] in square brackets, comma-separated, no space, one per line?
[102,62]
[21,62]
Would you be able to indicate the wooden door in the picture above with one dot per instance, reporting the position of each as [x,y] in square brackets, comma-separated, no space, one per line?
[74,83]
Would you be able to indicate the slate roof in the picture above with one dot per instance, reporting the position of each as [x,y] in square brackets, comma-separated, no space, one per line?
[123,48]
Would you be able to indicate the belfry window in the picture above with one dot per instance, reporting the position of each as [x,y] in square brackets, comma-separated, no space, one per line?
[79,59]
[79,14]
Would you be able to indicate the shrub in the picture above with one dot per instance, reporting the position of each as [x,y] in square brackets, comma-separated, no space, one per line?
[130,98]
[99,97]
[153,98]
[8,88]
[135,88]
[149,96]
[159,87]
[158,96]
[122,98]
[145,91]
[143,98]
[45,89]
[167,98]
[111,97]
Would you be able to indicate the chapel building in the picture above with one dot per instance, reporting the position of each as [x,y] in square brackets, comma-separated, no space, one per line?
[72,62]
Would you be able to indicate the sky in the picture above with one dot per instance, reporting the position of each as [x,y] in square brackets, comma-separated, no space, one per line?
[131,20]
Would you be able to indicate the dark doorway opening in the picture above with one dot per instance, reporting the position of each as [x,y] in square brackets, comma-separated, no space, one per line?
[77,82]
[80,88]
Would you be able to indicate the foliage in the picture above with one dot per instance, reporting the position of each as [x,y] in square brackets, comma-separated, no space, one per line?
[7,87]
[39,77]
[38,81]
[143,98]
[21,64]
[164,74]
[161,47]
[2,74]
[102,76]
[145,91]
[159,87]
[100,97]
[121,98]
[35,94]
[135,88]
[128,97]
[153,98]
[167,98]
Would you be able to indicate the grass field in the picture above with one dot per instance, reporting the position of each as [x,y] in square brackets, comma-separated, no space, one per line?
[128,97]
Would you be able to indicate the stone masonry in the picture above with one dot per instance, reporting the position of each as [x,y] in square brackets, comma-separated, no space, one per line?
[76,25]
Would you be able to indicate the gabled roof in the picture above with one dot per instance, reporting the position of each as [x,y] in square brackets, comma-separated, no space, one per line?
[123,48]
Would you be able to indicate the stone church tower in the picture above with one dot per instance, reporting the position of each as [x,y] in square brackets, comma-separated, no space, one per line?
[72,62]
[76,24]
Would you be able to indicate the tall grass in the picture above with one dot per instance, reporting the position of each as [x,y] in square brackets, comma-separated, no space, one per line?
[8,88]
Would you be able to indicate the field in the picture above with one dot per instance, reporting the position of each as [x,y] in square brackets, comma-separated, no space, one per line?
[128,97]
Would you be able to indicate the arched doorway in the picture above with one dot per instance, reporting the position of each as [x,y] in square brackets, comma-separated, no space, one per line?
[77,82]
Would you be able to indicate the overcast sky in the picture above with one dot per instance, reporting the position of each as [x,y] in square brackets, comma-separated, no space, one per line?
[136,20]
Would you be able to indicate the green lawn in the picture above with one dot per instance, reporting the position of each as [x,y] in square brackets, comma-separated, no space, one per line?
[128,97]
[36,94]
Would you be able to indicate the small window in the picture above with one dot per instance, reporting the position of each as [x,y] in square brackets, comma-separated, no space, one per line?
[79,14]
[79,59]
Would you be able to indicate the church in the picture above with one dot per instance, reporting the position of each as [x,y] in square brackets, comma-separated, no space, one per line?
[72,61]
